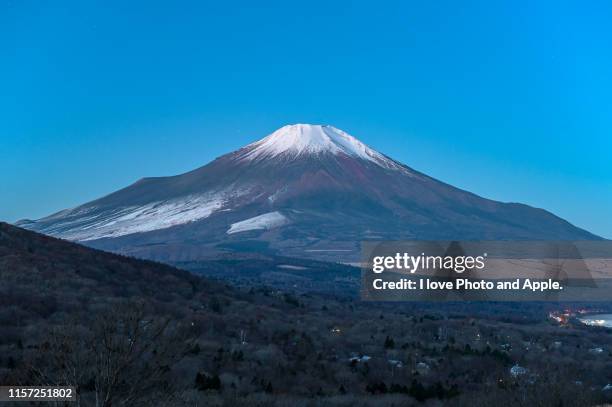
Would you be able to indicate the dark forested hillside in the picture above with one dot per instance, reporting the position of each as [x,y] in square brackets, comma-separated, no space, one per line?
[69,272]
[128,332]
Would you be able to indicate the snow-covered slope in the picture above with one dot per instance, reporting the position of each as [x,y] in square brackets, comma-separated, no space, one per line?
[91,222]
[152,216]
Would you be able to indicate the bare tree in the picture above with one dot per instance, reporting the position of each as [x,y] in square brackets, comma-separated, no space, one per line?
[124,358]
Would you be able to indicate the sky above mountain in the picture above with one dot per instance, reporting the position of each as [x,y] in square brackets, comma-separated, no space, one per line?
[510,101]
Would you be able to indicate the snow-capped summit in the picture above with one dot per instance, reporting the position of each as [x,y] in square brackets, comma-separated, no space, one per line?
[296,140]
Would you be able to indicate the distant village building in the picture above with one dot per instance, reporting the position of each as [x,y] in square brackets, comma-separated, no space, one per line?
[396,363]
[517,370]
[422,368]
[359,359]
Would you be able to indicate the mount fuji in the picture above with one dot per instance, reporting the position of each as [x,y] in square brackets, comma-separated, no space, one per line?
[309,191]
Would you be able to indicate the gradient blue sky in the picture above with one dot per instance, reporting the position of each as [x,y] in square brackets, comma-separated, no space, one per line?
[510,100]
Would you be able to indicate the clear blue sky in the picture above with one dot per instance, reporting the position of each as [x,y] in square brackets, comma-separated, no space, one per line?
[511,100]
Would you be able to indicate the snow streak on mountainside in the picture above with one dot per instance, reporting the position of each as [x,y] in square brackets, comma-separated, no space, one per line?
[92,222]
[266,221]
[303,191]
